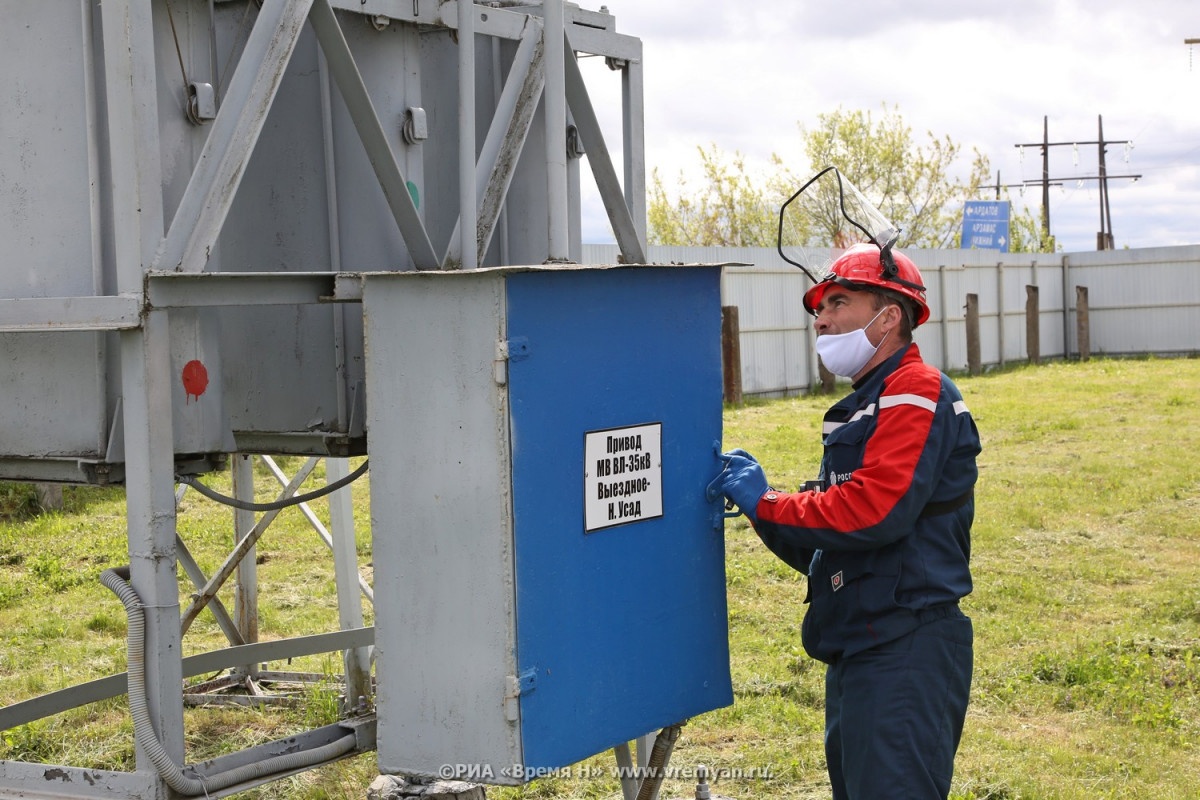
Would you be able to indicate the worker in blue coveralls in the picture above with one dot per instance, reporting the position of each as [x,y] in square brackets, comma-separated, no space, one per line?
[884,536]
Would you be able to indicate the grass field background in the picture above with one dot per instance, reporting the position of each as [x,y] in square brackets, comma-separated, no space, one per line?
[1086,607]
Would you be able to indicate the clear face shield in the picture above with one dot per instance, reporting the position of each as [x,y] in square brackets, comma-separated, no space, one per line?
[829,211]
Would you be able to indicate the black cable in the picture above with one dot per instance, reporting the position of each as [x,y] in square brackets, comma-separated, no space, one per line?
[277,505]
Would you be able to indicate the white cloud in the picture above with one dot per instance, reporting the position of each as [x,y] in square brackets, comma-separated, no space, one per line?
[742,76]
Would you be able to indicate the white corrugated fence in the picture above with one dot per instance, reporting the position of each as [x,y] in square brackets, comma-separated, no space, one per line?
[1144,301]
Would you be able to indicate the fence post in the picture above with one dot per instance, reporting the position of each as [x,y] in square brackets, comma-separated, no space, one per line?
[49,496]
[828,379]
[973,365]
[731,355]
[1082,330]
[1033,328]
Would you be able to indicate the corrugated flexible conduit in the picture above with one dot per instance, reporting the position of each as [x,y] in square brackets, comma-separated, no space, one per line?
[117,581]
[656,767]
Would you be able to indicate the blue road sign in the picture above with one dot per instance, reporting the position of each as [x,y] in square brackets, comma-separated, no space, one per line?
[985,225]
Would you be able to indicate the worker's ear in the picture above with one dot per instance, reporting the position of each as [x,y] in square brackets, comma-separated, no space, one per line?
[893,316]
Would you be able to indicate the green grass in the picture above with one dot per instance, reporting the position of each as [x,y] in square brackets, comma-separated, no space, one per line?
[61,627]
[1086,560]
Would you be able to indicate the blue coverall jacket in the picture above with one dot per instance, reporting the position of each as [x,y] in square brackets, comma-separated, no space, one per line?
[886,537]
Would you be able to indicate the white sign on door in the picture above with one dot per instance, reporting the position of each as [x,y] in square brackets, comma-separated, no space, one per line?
[622,475]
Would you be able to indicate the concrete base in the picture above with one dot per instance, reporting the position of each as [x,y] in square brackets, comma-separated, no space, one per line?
[391,787]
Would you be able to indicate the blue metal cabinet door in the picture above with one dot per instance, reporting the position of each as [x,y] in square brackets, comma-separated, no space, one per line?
[621,630]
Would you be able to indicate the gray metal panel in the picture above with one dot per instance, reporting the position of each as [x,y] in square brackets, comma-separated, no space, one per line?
[1144,301]
[53,396]
[284,377]
[199,421]
[526,217]
[601,253]
[390,63]
[439,91]
[310,201]
[948,315]
[776,353]
[45,196]
[280,221]
[1011,282]
[442,550]
[439,98]
[53,399]
[1052,304]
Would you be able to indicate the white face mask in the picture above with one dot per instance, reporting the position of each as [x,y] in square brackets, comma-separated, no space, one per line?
[846,354]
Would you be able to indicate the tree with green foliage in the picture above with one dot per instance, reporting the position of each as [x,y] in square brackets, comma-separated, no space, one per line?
[913,184]
[1025,234]
[729,210]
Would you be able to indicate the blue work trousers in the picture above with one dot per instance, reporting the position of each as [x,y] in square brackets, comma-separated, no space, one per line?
[894,713]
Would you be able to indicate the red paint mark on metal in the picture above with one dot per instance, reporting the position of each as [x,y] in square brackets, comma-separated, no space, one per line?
[195,379]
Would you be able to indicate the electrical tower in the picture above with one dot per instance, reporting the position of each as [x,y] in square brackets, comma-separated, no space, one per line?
[1104,238]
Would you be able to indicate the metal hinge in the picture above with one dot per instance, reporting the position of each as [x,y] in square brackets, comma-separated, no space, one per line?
[517,685]
[514,687]
[515,349]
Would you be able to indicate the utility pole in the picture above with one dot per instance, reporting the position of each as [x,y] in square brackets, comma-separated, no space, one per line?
[1045,145]
[1104,240]
[1046,178]
[998,185]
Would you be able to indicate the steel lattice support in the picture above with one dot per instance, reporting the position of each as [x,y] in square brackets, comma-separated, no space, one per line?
[160,281]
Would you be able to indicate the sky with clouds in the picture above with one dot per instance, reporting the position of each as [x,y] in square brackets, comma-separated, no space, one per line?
[744,76]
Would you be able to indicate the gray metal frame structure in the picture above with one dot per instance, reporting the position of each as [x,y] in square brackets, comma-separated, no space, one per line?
[159,282]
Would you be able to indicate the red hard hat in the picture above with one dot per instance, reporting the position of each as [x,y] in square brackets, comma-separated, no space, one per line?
[861,267]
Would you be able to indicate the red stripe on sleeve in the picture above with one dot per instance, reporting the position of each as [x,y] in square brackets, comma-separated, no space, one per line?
[889,461]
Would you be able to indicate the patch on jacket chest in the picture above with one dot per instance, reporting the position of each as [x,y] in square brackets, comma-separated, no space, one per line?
[837,580]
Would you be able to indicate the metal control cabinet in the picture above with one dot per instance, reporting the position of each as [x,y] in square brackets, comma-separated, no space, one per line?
[549,577]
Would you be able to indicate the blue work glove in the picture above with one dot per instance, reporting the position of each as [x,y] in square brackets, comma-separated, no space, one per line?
[742,481]
[714,489]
